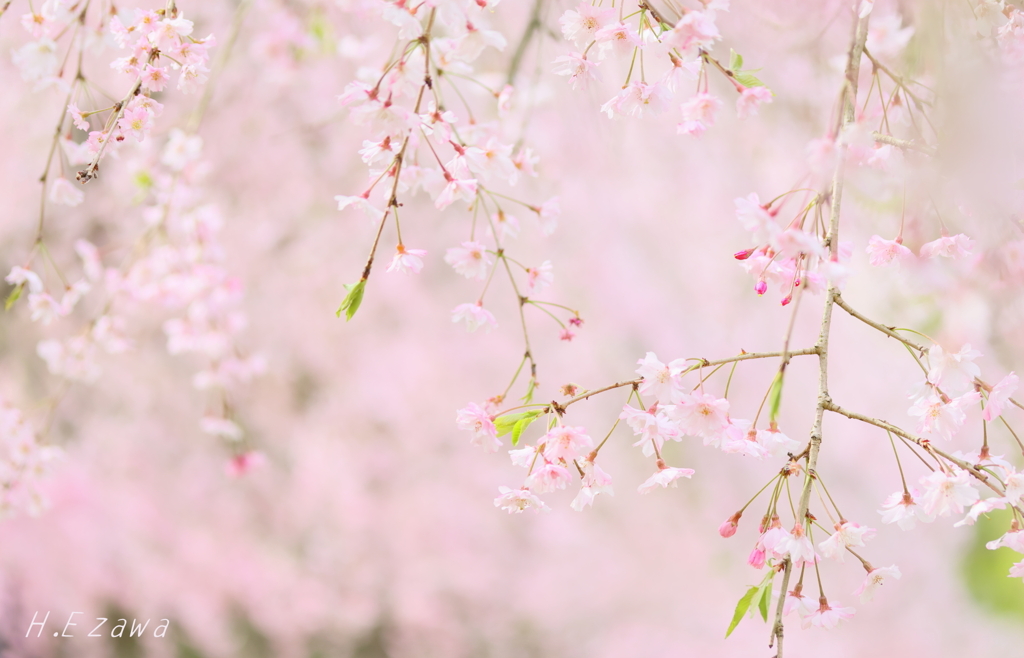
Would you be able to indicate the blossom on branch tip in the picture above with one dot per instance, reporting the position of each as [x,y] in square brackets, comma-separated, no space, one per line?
[882,252]
[664,382]
[470,260]
[474,419]
[874,579]
[955,246]
[515,501]
[750,99]
[902,508]
[407,260]
[475,316]
[846,534]
[699,114]
[797,546]
[361,203]
[580,26]
[581,71]
[999,396]
[946,493]
[565,443]
[548,477]
[827,616]
[667,476]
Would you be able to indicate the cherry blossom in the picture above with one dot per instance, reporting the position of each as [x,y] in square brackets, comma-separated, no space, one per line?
[750,99]
[947,493]
[797,545]
[827,616]
[471,260]
[956,246]
[565,443]
[515,501]
[407,260]
[875,579]
[847,534]
[660,380]
[999,396]
[474,419]
[475,315]
[882,251]
[667,476]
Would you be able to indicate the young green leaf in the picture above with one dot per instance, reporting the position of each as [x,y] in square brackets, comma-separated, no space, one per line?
[509,423]
[14,296]
[741,609]
[352,300]
[747,79]
[735,60]
[775,398]
[530,388]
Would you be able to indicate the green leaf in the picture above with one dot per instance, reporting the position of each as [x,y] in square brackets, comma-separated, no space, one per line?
[775,398]
[14,296]
[352,300]
[530,388]
[747,79]
[741,609]
[765,595]
[735,60]
[515,423]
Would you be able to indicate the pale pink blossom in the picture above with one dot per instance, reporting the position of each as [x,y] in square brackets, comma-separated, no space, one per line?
[475,315]
[581,71]
[652,426]
[471,260]
[804,605]
[192,76]
[667,476]
[581,25]
[847,534]
[874,579]
[360,203]
[943,419]
[750,100]
[638,99]
[947,493]
[19,276]
[948,246]
[456,188]
[662,381]
[953,371]
[827,616]
[474,419]
[77,118]
[699,114]
[407,260]
[1017,570]
[64,192]
[696,29]
[134,122]
[1014,493]
[999,396]
[882,251]
[539,278]
[701,414]
[515,501]
[548,213]
[225,428]
[755,218]
[1012,540]
[563,442]
[618,36]
[548,477]
[797,546]
[154,78]
[979,508]
[776,443]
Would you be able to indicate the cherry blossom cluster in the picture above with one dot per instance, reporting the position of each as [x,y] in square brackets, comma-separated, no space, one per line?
[23,462]
[793,251]
[467,156]
[648,40]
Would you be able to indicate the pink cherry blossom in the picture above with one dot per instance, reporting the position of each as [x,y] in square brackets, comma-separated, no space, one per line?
[134,122]
[755,218]
[846,534]
[956,246]
[947,493]
[581,70]
[548,477]
[803,605]
[659,380]
[874,579]
[407,260]
[797,546]
[827,616]
[619,37]
[154,78]
[77,118]
[750,99]
[701,414]
[667,476]
[882,251]
[464,189]
[515,501]
[360,203]
[474,419]
[699,114]
[953,371]
[581,25]
[696,29]
[563,442]
[999,396]
[471,260]
[475,315]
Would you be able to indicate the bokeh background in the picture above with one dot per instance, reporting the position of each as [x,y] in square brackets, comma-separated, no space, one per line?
[370,531]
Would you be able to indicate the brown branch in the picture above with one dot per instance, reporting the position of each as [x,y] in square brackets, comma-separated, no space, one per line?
[904,144]
[847,113]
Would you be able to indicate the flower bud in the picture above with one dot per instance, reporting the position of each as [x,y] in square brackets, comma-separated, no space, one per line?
[743,255]
[756,558]
[728,529]
[761,287]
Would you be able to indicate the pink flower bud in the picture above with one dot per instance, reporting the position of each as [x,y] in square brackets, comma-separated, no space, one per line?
[761,287]
[787,299]
[756,558]
[743,255]
[727,529]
